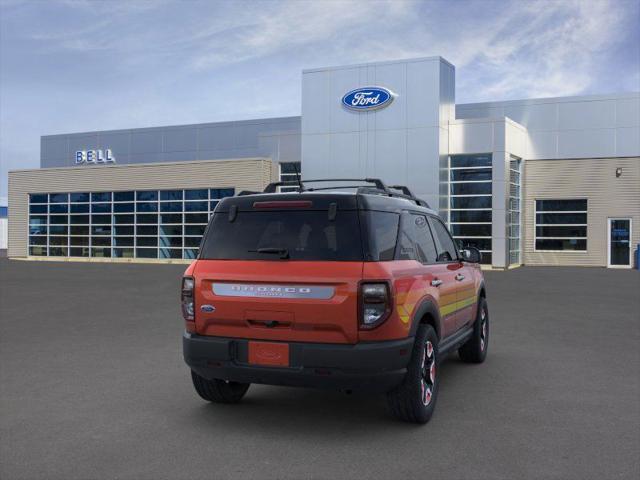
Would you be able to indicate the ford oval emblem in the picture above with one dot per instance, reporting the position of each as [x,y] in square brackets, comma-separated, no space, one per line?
[208,308]
[368,98]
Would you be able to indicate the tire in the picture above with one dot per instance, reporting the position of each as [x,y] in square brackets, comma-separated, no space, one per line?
[475,349]
[219,391]
[415,399]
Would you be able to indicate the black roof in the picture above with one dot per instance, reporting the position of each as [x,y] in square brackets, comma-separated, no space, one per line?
[362,194]
[322,200]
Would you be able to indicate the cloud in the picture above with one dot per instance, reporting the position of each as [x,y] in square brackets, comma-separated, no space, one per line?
[501,49]
[294,26]
[554,50]
[543,47]
[87,65]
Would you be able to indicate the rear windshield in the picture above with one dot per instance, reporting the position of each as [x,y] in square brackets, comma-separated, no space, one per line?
[293,235]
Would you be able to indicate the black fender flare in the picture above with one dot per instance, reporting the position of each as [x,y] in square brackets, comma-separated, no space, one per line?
[482,289]
[427,306]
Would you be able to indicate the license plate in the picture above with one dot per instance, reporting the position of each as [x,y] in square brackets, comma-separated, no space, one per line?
[269,354]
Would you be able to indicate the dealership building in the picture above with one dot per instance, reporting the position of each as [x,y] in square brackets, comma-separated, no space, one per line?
[551,181]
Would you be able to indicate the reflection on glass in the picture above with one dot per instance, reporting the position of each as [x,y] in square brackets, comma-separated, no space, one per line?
[123,224]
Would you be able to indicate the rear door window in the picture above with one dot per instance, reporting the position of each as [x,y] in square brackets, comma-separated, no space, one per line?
[267,235]
[416,242]
[424,240]
[444,243]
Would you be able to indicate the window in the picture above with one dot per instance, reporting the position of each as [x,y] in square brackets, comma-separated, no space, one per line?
[37,209]
[200,194]
[416,241]
[171,195]
[58,208]
[80,208]
[79,197]
[513,214]
[383,228]
[123,196]
[147,196]
[58,198]
[561,225]
[470,201]
[38,198]
[305,235]
[123,224]
[289,173]
[101,197]
[444,243]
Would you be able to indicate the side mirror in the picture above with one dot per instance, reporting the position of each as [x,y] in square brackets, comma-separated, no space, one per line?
[471,255]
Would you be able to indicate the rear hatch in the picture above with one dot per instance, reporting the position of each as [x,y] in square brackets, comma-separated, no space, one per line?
[281,267]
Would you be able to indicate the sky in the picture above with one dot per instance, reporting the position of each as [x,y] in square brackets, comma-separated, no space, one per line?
[73,66]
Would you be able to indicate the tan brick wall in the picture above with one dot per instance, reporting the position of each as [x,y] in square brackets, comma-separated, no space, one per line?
[593,179]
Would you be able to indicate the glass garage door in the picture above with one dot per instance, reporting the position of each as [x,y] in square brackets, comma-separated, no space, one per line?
[125,224]
[470,201]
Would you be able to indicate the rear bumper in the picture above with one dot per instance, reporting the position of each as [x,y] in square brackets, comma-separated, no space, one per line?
[372,366]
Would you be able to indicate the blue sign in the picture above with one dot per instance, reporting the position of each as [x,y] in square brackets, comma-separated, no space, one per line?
[368,98]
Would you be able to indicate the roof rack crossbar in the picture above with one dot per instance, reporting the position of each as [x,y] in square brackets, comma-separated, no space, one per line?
[338,187]
[376,181]
[378,187]
[273,187]
[402,188]
[409,194]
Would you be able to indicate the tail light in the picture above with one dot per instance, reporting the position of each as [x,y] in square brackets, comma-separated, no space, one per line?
[187,298]
[375,304]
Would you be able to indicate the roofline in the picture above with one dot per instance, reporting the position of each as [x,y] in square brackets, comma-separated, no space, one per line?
[386,62]
[533,101]
[189,125]
[88,168]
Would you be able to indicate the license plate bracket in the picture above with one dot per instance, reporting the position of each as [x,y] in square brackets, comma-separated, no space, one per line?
[269,354]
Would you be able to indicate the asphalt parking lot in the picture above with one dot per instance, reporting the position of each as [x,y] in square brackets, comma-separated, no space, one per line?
[92,385]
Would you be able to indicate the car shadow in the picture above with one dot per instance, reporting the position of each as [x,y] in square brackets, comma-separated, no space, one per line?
[289,410]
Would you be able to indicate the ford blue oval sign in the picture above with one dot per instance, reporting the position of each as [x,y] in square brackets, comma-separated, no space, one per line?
[368,98]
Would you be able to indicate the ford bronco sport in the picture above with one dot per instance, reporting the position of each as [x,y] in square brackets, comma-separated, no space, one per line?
[362,289]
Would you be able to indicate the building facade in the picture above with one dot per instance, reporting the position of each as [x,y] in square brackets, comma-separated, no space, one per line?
[542,182]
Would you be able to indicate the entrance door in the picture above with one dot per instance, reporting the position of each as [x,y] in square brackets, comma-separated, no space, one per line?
[619,243]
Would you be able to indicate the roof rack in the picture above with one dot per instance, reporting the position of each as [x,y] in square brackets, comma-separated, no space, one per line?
[378,187]
[408,194]
[273,186]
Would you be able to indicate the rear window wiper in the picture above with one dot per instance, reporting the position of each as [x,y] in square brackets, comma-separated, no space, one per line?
[283,252]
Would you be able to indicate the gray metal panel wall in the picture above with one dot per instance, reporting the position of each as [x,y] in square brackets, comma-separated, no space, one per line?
[246,174]
[607,196]
[274,138]
[404,143]
[598,126]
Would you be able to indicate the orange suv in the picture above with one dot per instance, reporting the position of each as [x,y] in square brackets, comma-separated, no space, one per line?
[350,287]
